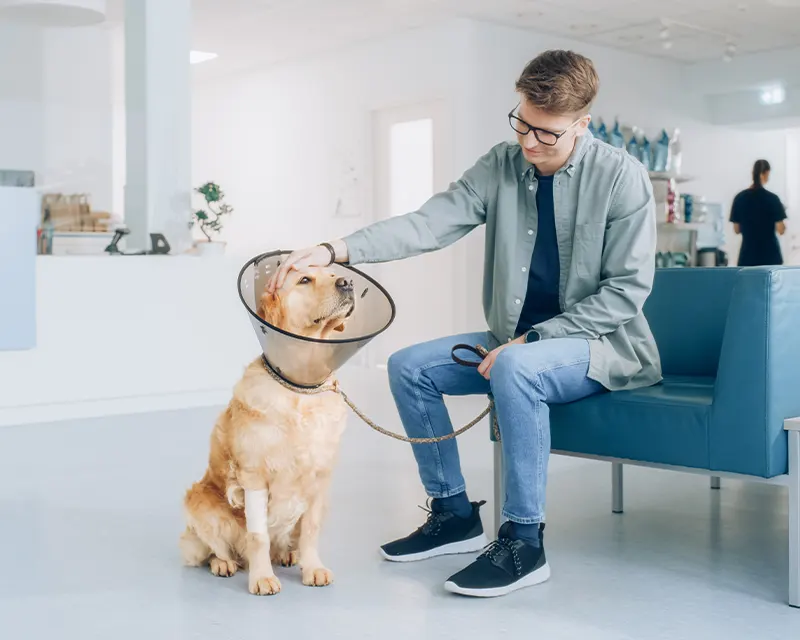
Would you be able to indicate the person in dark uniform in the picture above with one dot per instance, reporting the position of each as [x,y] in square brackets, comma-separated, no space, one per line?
[757,214]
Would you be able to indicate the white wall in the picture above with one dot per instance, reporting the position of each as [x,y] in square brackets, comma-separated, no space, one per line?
[77,127]
[280,141]
[21,139]
[55,108]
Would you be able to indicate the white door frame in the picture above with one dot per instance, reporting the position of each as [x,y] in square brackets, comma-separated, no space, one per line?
[440,111]
[791,241]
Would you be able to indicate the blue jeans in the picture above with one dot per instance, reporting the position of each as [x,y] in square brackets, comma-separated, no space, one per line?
[523,381]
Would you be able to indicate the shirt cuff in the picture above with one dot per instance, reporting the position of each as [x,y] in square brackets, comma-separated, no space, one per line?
[356,249]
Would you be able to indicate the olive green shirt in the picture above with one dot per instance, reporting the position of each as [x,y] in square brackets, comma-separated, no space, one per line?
[606,230]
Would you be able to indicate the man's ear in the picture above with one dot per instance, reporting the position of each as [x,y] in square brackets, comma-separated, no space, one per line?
[583,126]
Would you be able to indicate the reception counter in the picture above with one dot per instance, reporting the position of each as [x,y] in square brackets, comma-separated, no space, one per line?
[128,334]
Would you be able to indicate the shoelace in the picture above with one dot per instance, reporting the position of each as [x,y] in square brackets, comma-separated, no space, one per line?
[494,550]
[434,522]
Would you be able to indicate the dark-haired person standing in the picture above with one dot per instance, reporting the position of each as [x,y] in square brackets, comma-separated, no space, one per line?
[758,214]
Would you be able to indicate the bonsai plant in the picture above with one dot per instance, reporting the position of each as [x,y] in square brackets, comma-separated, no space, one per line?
[211,218]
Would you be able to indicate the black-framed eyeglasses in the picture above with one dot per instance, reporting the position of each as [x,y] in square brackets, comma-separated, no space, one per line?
[549,138]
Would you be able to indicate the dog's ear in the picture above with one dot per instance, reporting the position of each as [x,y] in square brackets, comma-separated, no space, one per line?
[270,308]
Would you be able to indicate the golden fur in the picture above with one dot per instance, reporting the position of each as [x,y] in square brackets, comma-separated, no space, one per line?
[270,438]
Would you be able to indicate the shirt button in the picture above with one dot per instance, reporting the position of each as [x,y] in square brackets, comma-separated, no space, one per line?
[530,232]
[524,269]
[530,188]
[517,301]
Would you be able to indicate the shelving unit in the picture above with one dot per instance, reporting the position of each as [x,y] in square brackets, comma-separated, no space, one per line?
[666,175]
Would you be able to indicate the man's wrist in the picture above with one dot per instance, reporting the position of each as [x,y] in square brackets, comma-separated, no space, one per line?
[340,250]
[337,249]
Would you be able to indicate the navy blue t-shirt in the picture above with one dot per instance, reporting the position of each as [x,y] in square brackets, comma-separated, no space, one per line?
[541,299]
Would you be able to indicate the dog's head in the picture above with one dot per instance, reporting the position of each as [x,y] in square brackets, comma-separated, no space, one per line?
[312,303]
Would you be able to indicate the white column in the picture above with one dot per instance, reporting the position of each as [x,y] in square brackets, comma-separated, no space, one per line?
[158,121]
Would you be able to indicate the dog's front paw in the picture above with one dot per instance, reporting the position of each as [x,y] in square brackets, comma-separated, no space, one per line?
[320,577]
[287,558]
[267,586]
[223,568]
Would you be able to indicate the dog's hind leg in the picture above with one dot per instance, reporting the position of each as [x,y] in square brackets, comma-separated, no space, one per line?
[215,525]
[195,552]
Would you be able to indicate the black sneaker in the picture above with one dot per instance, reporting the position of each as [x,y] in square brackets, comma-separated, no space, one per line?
[505,566]
[442,534]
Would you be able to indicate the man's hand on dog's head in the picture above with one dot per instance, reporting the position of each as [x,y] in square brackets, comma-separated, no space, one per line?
[302,259]
[297,261]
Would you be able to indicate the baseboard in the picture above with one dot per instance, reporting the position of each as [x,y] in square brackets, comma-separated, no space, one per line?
[13,416]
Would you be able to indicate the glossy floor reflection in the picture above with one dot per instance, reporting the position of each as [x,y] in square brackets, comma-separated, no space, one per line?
[91,513]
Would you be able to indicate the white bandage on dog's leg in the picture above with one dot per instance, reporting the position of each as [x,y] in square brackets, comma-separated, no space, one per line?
[255,510]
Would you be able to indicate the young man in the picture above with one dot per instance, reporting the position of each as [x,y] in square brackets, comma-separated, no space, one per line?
[569,262]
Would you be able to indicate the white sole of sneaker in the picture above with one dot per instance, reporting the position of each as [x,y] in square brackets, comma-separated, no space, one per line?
[464,546]
[537,577]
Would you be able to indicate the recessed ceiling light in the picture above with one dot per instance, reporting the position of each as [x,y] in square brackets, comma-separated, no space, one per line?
[773,95]
[196,57]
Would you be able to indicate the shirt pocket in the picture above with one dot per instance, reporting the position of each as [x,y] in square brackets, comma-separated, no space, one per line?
[587,251]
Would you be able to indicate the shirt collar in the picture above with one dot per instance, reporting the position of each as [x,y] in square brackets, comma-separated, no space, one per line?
[582,144]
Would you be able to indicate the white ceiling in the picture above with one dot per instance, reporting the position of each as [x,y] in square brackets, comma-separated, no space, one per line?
[255,32]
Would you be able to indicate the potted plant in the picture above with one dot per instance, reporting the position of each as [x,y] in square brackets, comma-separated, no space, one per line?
[210,219]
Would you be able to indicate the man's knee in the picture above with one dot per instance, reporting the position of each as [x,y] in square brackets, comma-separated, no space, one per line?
[402,364]
[509,362]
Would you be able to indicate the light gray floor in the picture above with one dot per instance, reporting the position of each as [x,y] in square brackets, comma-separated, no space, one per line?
[90,515]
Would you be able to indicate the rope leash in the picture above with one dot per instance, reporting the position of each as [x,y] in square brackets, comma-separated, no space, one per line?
[334,387]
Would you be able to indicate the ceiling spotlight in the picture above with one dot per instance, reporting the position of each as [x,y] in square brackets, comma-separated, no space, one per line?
[730,50]
[667,44]
[773,95]
[664,33]
[196,57]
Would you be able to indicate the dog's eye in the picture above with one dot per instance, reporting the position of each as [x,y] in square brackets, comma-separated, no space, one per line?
[304,280]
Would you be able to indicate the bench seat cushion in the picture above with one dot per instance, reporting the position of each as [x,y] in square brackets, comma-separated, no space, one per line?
[666,423]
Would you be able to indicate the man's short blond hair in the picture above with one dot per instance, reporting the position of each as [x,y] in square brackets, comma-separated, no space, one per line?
[560,82]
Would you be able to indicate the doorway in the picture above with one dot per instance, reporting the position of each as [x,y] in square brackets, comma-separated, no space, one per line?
[413,159]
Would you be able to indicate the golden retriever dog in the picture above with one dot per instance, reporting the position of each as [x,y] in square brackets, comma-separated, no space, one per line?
[264,493]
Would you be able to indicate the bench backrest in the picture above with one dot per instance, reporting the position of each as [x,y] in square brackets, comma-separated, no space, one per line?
[687,311]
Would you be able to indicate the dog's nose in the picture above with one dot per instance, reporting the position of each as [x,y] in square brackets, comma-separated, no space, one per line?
[344,285]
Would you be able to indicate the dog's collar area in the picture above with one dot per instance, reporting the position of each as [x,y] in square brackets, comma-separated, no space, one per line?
[293,386]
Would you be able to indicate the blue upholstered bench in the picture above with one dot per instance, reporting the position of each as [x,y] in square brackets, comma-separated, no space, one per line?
[729,404]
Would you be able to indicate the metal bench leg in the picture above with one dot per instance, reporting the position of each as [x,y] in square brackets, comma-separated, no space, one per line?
[499,485]
[616,487]
[715,482]
[794,518]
